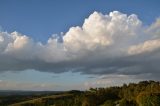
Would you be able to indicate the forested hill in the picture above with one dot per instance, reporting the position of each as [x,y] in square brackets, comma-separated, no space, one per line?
[144,93]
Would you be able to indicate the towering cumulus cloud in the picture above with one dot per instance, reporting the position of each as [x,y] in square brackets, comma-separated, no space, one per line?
[105,44]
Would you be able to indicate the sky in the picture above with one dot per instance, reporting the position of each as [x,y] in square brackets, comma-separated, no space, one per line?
[78,44]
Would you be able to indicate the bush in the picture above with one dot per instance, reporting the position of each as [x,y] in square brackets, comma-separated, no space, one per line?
[148,99]
[123,102]
[109,103]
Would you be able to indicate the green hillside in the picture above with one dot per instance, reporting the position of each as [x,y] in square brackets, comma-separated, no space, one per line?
[43,101]
[144,93]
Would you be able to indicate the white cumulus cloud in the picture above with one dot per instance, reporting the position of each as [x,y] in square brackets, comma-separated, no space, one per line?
[114,43]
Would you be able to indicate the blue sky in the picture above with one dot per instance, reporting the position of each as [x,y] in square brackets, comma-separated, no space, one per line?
[40,19]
